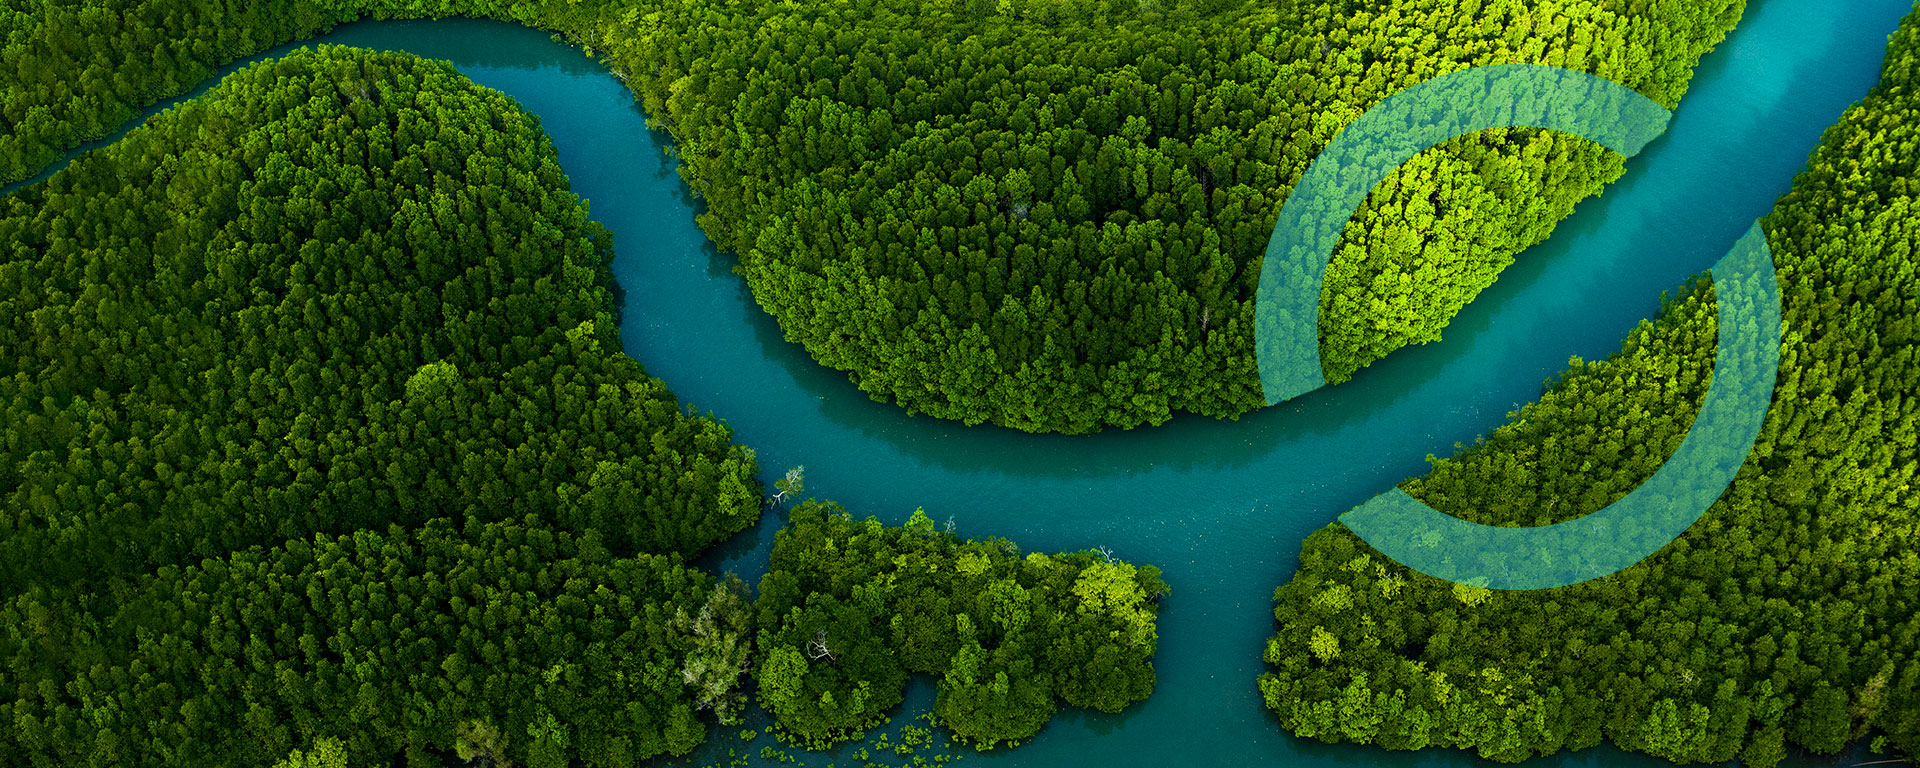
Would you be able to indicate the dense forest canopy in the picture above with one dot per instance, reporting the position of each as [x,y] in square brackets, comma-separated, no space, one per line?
[508,640]
[847,609]
[322,448]
[1051,215]
[349,291]
[350,328]
[1047,215]
[1788,615]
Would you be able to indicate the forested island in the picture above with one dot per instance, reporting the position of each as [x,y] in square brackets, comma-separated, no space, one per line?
[321,446]
[1789,615]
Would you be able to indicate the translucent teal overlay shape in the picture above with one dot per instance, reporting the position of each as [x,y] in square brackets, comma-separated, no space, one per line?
[1745,365]
[1287,328]
[1287,308]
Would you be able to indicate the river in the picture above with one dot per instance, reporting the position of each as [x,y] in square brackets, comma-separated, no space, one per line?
[1220,506]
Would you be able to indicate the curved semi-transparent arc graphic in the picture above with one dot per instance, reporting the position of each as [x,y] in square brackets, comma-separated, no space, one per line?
[1746,359]
[1385,137]
[1746,364]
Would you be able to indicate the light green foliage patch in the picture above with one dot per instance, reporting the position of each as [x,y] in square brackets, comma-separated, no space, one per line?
[1038,214]
[849,608]
[1785,618]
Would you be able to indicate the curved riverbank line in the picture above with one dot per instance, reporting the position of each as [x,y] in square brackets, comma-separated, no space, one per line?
[1384,138]
[1221,506]
[1745,366]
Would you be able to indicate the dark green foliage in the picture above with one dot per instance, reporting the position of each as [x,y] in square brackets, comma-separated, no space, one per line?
[345,290]
[350,290]
[1045,215]
[505,638]
[1050,215]
[1788,615]
[350,293]
[74,70]
[848,609]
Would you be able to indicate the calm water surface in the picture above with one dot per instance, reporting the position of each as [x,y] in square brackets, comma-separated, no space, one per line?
[1221,506]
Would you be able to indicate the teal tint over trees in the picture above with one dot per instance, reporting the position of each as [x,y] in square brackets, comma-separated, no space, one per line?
[1050,216]
[1287,334]
[1286,313]
[1786,617]
[1222,507]
[1654,513]
[1039,214]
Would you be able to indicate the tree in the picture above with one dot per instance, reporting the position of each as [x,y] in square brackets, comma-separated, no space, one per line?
[848,608]
[1781,617]
[792,484]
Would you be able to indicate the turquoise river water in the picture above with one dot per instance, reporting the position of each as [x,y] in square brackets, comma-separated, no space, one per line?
[1221,506]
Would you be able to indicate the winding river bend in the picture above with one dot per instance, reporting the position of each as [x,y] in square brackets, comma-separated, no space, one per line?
[1220,506]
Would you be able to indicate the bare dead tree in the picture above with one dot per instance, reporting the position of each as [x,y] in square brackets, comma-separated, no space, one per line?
[817,649]
[793,484]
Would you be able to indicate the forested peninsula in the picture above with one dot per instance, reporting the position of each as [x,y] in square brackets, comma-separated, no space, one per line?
[322,451]
[1789,615]
[350,291]
[1046,215]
